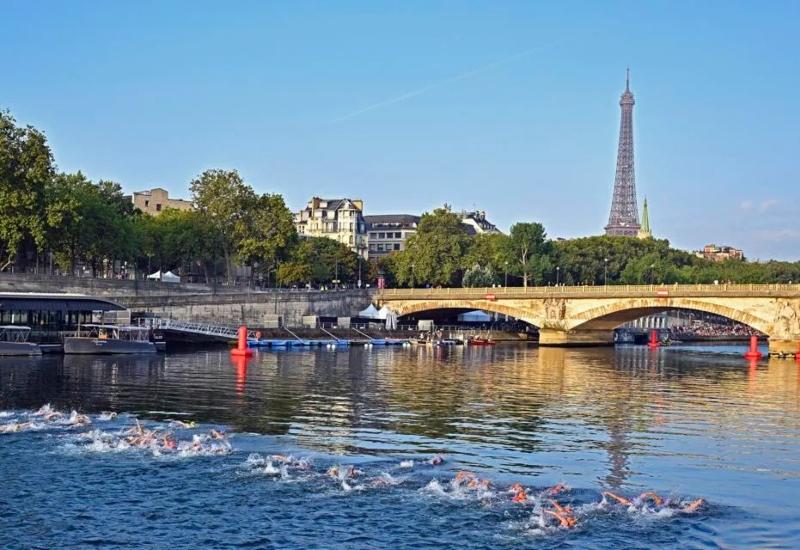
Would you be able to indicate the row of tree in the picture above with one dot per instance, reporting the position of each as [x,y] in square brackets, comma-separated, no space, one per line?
[48,217]
[442,254]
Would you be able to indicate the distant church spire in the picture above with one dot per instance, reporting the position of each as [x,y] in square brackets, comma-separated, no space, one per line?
[624,217]
[644,232]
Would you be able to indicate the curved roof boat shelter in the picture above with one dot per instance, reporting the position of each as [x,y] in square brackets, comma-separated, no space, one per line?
[47,312]
[55,301]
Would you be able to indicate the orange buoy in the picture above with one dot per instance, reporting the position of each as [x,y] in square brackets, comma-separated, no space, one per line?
[653,343]
[241,347]
[753,352]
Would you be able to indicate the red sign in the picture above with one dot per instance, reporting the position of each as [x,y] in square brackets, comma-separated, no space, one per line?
[490,297]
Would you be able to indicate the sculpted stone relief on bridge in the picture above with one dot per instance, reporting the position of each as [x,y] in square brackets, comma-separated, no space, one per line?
[787,320]
[555,310]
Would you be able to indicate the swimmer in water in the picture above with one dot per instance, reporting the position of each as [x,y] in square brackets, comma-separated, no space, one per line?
[182,424]
[651,496]
[169,442]
[77,419]
[657,501]
[436,460]
[622,500]
[219,436]
[693,506]
[564,515]
[464,476]
[478,483]
[52,416]
[556,489]
[15,427]
[520,495]
[333,472]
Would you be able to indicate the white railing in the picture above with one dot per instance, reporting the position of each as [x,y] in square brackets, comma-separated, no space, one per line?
[205,329]
[597,290]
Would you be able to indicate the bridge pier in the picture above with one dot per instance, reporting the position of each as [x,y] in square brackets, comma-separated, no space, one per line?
[778,346]
[584,337]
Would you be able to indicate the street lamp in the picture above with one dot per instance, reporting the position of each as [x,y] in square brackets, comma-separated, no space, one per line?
[360,249]
[558,274]
[605,271]
[412,275]
[506,284]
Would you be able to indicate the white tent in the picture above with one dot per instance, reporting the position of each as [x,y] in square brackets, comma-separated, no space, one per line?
[384,312]
[476,316]
[370,313]
[168,277]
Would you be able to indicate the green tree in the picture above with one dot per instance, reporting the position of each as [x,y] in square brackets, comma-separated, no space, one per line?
[267,233]
[478,276]
[434,255]
[530,250]
[26,170]
[226,202]
[319,260]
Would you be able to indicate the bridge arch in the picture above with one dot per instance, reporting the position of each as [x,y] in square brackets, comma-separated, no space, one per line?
[408,308]
[610,316]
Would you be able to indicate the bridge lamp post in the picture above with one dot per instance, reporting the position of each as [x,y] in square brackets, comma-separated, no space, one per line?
[558,274]
[412,275]
[605,271]
[506,283]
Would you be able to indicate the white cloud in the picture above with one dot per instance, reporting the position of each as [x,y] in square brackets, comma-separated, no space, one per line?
[746,205]
[767,204]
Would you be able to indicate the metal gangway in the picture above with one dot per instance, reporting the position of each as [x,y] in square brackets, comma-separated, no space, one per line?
[228,332]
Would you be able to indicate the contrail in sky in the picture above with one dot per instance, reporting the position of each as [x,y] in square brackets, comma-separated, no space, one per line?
[429,87]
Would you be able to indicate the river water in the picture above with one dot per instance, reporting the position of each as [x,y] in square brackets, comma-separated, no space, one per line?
[688,423]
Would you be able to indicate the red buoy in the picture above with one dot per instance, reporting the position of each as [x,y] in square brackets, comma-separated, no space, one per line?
[753,352]
[241,347]
[653,343]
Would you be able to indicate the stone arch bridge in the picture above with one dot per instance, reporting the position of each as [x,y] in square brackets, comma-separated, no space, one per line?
[587,315]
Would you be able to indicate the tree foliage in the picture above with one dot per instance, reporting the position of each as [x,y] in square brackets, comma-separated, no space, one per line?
[26,170]
[435,254]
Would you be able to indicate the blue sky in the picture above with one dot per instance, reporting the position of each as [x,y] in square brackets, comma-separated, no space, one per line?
[509,107]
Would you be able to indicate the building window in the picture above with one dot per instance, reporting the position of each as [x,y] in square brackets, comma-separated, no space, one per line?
[372,247]
[351,239]
[146,204]
[380,248]
[158,207]
[381,235]
[373,235]
[397,246]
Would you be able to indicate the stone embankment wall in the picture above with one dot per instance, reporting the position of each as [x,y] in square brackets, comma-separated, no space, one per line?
[255,309]
[193,302]
[103,288]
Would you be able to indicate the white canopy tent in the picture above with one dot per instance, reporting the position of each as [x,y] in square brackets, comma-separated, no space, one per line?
[165,277]
[384,312]
[370,313]
[476,316]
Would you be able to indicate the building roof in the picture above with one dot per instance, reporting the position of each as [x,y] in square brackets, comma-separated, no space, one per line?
[402,220]
[54,302]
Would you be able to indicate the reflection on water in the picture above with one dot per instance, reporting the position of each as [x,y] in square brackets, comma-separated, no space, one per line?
[697,421]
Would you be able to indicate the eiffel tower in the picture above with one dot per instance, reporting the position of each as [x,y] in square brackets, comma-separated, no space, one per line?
[624,217]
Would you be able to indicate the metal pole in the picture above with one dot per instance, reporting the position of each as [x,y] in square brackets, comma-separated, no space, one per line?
[558,274]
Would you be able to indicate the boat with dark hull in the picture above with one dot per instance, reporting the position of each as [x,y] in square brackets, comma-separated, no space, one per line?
[14,341]
[109,340]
